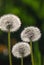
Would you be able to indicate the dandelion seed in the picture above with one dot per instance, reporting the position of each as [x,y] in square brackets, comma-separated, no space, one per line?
[11,22]
[21,49]
[30,33]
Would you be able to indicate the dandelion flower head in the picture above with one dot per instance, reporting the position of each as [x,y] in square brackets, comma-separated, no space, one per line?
[21,49]
[10,21]
[30,33]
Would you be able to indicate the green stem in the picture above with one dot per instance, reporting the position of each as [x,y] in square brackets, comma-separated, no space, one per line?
[32,58]
[9,48]
[22,60]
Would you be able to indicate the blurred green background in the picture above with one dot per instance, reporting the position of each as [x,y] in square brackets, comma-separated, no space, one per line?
[31,13]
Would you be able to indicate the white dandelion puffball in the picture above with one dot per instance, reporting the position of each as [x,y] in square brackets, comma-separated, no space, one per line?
[21,49]
[30,33]
[10,21]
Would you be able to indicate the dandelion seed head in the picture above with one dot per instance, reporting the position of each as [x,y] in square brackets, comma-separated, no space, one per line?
[21,49]
[10,21]
[30,33]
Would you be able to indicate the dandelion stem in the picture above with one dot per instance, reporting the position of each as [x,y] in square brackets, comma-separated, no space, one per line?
[32,58]
[22,60]
[9,48]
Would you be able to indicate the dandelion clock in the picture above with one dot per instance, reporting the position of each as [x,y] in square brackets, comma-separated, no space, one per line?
[20,50]
[9,23]
[31,34]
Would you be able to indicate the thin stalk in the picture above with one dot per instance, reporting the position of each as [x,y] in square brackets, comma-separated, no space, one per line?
[9,48]
[22,60]
[32,58]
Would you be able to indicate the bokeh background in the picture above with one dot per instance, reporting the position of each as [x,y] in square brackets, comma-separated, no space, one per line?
[31,13]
